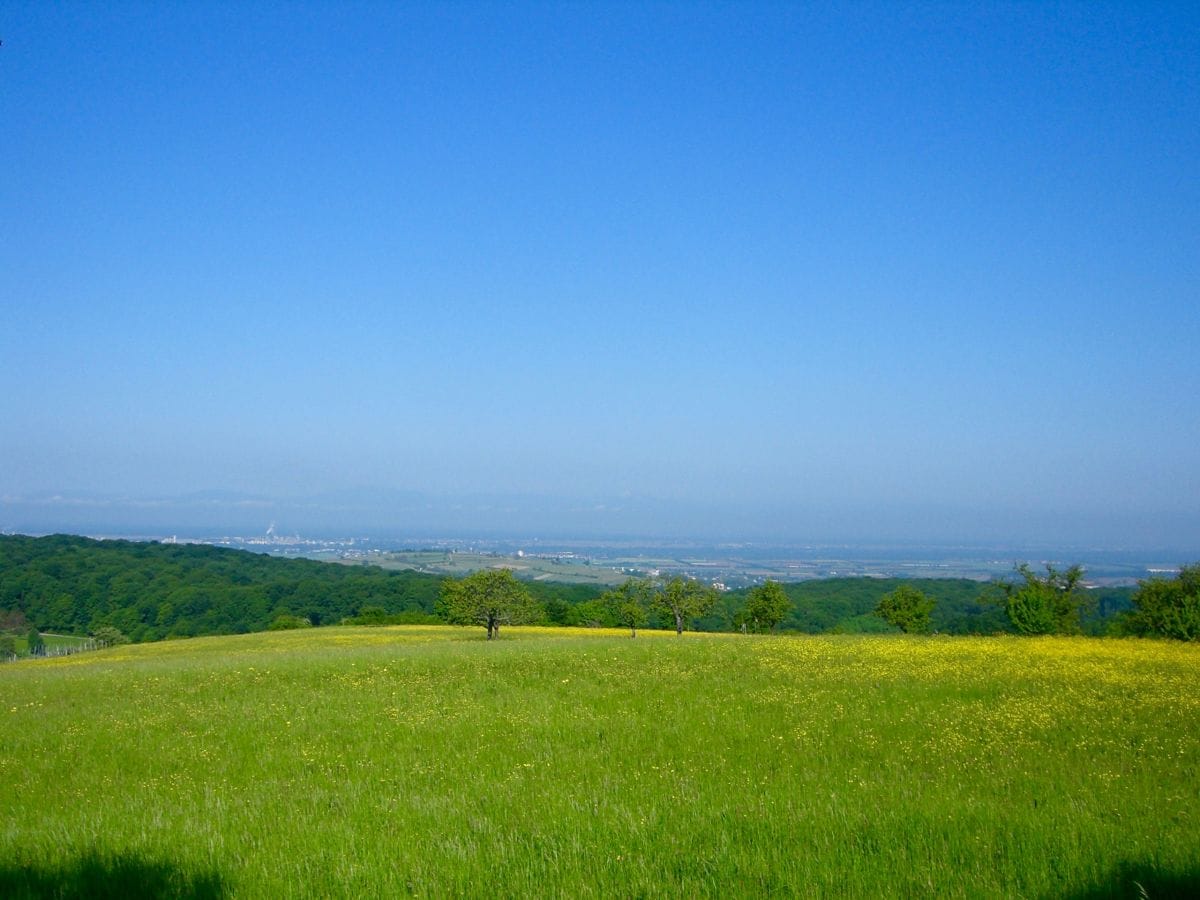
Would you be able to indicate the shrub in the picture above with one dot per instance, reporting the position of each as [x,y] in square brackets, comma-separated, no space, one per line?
[907,608]
[1050,604]
[107,636]
[1168,607]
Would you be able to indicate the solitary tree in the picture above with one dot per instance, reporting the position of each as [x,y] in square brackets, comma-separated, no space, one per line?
[490,597]
[766,605]
[1168,607]
[34,641]
[684,600]
[907,608]
[629,603]
[1050,604]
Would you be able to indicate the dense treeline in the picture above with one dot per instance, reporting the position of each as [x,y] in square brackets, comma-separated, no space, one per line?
[151,591]
[961,606]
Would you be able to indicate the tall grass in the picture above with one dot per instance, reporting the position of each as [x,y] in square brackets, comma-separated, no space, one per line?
[426,761]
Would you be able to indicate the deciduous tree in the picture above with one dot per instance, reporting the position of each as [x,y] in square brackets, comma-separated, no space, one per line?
[491,597]
[907,608]
[1050,604]
[630,603]
[107,636]
[684,600]
[1168,607]
[766,605]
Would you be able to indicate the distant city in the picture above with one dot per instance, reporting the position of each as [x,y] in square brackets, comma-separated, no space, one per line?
[727,566]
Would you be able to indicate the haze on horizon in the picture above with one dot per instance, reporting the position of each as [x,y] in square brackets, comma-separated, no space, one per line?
[777,271]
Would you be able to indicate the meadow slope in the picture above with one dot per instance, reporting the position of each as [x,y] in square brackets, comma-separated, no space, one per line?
[426,761]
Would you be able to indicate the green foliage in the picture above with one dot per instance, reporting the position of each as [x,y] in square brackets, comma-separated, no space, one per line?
[491,597]
[766,605]
[1050,604]
[34,643]
[8,647]
[630,603]
[867,623]
[107,636]
[906,608]
[1168,607]
[287,623]
[149,591]
[371,615]
[823,606]
[591,614]
[683,600]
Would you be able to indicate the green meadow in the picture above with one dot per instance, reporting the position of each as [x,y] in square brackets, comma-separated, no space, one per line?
[340,762]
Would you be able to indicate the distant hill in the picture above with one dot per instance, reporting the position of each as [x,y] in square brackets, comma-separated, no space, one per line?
[151,591]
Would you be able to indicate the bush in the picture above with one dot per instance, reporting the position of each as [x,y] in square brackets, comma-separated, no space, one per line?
[371,615]
[907,608]
[1168,607]
[1050,604]
[287,623]
[107,636]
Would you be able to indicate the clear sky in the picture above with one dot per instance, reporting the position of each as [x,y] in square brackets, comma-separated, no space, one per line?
[792,271]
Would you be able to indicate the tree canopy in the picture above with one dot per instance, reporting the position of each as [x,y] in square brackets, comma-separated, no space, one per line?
[629,603]
[684,600]
[150,591]
[34,642]
[907,608]
[1168,607]
[490,597]
[766,605]
[1049,604]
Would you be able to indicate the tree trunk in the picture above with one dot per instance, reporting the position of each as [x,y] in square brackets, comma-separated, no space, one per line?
[632,631]
[678,623]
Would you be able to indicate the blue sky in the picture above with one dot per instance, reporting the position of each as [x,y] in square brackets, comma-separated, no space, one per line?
[828,271]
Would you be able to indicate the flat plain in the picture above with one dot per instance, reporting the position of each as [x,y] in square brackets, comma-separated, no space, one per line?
[426,761]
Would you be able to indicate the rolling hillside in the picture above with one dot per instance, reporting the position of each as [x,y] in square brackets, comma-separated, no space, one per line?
[424,761]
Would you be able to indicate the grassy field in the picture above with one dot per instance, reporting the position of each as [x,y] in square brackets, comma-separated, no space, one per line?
[426,761]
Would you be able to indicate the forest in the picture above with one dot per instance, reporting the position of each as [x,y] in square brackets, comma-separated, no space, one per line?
[150,591]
